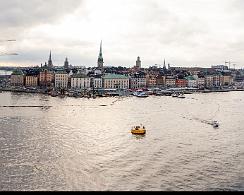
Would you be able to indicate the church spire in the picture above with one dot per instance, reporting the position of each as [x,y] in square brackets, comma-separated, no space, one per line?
[101,49]
[50,62]
[66,63]
[100,58]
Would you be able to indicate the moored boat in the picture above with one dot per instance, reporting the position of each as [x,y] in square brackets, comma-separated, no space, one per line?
[142,95]
[182,96]
[175,95]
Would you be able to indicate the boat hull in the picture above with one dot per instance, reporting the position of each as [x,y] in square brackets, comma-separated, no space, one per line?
[138,132]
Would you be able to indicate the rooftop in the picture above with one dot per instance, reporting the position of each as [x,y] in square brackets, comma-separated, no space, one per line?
[115,76]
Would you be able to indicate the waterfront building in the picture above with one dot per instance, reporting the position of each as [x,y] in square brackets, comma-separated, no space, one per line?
[61,79]
[100,61]
[115,81]
[151,81]
[138,81]
[217,80]
[170,81]
[161,80]
[46,78]
[97,82]
[191,82]
[209,81]
[80,81]
[201,82]
[31,80]
[17,78]
[50,62]
[181,83]
[227,80]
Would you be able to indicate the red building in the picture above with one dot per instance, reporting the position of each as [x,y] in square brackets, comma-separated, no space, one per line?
[181,83]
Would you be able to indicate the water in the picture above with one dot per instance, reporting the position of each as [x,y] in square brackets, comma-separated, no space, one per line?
[78,144]
[2,72]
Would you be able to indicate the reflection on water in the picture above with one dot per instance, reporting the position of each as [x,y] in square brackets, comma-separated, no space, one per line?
[79,144]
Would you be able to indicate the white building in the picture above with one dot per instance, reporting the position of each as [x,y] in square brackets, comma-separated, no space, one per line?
[61,79]
[98,83]
[201,82]
[191,82]
[209,81]
[80,81]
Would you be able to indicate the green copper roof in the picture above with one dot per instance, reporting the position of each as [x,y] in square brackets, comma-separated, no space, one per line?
[17,72]
[190,78]
[115,76]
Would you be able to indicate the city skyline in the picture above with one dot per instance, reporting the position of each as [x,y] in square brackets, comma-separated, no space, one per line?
[198,33]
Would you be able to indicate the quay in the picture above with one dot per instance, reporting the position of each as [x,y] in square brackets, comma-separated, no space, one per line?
[113,93]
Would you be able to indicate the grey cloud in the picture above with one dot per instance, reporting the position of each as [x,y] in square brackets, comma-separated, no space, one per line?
[19,14]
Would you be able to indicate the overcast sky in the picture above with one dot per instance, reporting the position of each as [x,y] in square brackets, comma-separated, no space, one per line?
[186,33]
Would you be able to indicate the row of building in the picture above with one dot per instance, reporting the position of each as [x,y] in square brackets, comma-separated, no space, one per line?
[61,79]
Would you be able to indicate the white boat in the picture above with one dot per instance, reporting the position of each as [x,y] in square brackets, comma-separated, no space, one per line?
[182,96]
[175,95]
[142,95]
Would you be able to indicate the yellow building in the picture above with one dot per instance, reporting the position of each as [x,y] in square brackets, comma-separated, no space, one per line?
[114,81]
[17,78]
[227,80]
[31,81]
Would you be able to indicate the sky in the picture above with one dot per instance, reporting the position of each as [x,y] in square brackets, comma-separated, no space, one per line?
[197,33]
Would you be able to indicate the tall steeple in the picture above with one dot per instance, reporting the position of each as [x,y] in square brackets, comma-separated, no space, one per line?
[66,63]
[100,57]
[165,64]
[50,62]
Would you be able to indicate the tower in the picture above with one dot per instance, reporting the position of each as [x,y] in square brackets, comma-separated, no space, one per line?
[100,58]
[50,62]
[138,62]
[66,63]
[165,68]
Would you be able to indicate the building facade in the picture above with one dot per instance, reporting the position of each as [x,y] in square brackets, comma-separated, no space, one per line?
[151,80]
[80,81]
[181,83]
[138,81]
[17,78]
[31,80]
[170,81]
[114,81]
[97,82]
[46,78]
[209,81]
[191,82]
[61,80]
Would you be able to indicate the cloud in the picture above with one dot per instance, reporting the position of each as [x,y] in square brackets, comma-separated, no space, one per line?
[190,32]
[19,15]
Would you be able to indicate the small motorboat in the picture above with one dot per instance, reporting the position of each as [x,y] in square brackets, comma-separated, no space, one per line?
[142,95]
[215,124]
[182,96]
[175,95]
[138,130]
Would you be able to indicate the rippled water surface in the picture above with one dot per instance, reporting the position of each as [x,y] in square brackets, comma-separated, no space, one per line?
[78,144]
